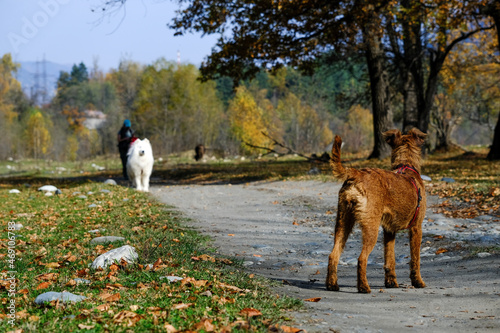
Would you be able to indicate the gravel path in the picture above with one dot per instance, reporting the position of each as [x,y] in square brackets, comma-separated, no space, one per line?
[282,230]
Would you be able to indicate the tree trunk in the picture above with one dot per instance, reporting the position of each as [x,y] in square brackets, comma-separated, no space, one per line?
[494,153]
[412,68]
[494,11]
[379,86]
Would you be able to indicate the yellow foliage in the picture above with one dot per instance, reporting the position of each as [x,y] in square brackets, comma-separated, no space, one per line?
[358,133]
[38,134]
[247,121]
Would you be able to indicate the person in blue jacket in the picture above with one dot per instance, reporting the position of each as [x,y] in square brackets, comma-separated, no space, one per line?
[125,135]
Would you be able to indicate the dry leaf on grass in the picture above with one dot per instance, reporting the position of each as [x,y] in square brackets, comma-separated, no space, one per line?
[126,317]
[85,327]
[43,285]
[181,306]
[107,297]
[250,312]
[205,324]
[103,307]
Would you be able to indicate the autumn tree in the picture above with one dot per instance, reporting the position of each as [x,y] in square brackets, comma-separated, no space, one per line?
[264,34]
[421,35]
[305,130]
[174,109]
[9,89]
[37,133]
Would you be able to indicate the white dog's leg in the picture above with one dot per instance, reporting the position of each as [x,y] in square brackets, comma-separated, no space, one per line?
[138,183]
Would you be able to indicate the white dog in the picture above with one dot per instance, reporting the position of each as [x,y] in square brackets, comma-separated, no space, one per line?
[140,164]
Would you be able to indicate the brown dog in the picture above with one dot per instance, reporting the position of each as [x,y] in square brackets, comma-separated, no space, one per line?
[371,197]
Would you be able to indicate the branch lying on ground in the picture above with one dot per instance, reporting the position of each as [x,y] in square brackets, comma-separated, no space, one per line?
[313,158]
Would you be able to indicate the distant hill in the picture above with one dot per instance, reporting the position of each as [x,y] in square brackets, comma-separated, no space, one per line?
[31,70]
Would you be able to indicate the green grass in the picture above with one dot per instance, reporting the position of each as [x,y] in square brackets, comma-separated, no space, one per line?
[55,239]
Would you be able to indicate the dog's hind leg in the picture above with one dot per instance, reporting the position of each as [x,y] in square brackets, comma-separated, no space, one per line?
[415,242]
[370,233]
[343,227]
[390,260]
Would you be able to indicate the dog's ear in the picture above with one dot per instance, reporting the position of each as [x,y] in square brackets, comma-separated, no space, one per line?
[392,137]
[418,136]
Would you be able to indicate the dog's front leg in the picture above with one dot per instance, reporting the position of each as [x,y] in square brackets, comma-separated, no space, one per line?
[138,183]
[415,242]
[390,260]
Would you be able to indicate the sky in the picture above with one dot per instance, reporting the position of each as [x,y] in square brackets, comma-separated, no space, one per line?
[68,32]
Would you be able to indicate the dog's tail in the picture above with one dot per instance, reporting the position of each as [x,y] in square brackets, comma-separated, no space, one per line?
[338,169]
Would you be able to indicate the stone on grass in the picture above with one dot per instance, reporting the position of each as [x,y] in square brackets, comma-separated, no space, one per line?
[47,188]
[427,178]
[483,254]
[81,281]
[106,239]
[15,191]
[110,182]
[448,180]
[65,297]
[171,279]
[125,252]
[18,226]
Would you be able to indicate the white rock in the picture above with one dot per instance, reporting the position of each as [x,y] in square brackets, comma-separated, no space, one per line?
[14,191]
[106,239]
[125,252]
[483,254]
[65,297]
[171,278]
[110,182]
[47,188]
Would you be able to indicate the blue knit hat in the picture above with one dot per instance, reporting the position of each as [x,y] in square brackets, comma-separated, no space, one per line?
[126,123]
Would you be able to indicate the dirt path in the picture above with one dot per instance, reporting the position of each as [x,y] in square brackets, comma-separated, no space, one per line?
[282,230]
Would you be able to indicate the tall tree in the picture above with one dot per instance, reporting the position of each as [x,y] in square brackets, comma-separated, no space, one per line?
[421,35]
[262,34]
[492,9]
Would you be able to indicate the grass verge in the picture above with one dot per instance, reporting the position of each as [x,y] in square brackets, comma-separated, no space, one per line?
[53,252]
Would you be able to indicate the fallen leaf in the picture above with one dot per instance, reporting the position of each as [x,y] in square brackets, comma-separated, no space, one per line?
[313,299]
[52,265]
[85,327]
[134,307]
[157,263]
[181,306]
[250,312]
[47,277]
[107,297]
[169,328]
[441,250]
[127,317]
[103,307]
[205,324]
[43,285]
